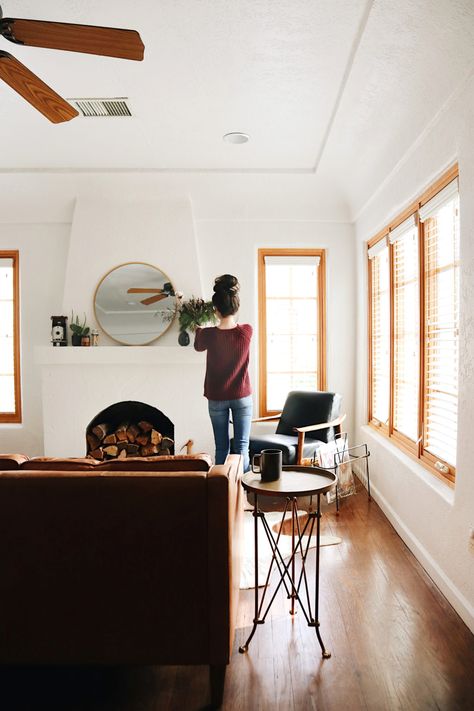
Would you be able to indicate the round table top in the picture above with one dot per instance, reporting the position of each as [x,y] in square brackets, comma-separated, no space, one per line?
[294,481]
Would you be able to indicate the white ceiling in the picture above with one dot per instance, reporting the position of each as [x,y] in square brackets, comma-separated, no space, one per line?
[340,87]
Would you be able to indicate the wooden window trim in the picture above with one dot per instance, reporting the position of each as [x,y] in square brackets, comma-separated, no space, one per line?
[376,424]
[286,252]
[414,450]
[14,417]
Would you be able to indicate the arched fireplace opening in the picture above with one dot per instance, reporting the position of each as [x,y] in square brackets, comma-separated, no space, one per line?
[129,429]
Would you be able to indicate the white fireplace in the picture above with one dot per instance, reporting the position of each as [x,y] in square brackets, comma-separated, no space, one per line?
[77,383]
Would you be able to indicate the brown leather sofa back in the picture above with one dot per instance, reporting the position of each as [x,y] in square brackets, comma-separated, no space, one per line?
[118,567]
[183,462]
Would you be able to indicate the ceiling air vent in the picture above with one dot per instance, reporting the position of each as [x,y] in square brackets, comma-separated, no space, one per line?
[102,107]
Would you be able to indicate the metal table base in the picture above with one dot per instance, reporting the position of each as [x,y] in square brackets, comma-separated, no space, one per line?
[295,584]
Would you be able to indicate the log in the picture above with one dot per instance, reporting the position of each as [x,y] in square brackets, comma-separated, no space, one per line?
[145,426]
[167,443]
[164,452]
[97,453]
[133,449]
[155,437]
[111,450]
[122,454]
[121,432]
[148,450]
[110,439]
[142,439]
[92,441]
[122,446]
[132,433]
[101,431]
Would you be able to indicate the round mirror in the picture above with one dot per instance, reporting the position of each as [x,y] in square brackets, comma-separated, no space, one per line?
[135,303]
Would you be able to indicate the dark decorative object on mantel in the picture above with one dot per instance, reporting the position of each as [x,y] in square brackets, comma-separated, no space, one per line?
[59,330]
[79,331]
[183,338]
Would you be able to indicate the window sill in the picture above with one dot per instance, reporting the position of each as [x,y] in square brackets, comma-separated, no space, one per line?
[439,486]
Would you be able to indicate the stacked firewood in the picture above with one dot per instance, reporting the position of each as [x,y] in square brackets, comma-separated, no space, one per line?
[127,440]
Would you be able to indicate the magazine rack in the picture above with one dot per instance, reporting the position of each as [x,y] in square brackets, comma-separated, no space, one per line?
[344,456]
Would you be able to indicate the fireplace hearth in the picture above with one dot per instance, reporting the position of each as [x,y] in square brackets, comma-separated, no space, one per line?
[129,429]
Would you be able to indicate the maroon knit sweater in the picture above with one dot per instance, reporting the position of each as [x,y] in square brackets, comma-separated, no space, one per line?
[227,376]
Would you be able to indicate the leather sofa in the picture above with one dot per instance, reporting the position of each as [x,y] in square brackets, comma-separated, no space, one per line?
[125,562]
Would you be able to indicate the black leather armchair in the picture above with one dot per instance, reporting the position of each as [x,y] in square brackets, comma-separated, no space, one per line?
[307,420]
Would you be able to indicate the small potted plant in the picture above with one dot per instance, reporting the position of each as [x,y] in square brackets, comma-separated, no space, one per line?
[193,313]
[79,330]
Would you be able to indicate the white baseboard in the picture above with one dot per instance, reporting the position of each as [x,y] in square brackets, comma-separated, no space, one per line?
[462,606]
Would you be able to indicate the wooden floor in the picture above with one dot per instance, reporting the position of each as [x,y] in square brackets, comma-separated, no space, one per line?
[395,641]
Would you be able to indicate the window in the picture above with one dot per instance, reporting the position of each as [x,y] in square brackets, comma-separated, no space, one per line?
[10,404]
[440,221]
[414,327]
[292,324]
[406,328]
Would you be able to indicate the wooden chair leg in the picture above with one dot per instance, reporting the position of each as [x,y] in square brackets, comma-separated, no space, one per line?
[217,680]
[299,451]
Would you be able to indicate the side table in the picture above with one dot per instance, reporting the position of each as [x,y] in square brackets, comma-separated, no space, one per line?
[294,481]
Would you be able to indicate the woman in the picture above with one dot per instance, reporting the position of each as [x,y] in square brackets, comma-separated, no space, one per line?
[227,384]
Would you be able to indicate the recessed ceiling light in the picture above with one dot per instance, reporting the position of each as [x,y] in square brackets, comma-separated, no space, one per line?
[236,137]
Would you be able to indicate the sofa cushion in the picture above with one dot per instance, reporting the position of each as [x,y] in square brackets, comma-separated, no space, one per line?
[60,464]
[164,463]
[12,461]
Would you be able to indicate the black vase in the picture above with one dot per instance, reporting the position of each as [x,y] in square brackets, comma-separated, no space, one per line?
[183,338]
[76,339]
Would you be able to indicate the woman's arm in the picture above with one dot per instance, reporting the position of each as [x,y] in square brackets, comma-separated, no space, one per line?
[200,340]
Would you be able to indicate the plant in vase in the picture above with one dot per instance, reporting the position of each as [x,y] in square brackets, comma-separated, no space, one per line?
[79,330]
[193,313]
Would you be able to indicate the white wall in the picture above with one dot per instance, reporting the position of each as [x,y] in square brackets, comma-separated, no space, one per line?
[433,520]
[43,251]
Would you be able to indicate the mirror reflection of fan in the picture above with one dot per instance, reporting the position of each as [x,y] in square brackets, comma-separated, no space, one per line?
[160,294]
[88,39]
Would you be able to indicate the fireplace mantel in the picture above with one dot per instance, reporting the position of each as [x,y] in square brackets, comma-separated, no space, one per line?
[118,355]
[78,383]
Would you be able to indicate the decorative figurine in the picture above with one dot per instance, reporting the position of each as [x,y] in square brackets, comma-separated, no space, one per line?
[59,330]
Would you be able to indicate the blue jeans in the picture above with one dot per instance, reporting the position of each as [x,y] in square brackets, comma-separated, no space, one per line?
[219,411]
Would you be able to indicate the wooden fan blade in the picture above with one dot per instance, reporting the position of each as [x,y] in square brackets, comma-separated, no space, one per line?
[35,91]
[134,290]
[90,39]
[153,299]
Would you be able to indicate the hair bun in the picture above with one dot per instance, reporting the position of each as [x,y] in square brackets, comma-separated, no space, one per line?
[227,283]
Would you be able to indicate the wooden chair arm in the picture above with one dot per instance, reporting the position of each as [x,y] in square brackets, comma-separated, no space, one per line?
[312,428]
[269,418]
[322,425]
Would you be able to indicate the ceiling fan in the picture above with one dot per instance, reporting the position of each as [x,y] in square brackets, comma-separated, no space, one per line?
[89,39]
[160,294]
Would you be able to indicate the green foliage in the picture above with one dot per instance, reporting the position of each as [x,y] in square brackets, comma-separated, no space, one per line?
[195,312]
[77,328]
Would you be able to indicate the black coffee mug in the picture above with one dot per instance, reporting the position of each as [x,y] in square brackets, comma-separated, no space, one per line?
[268,463]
